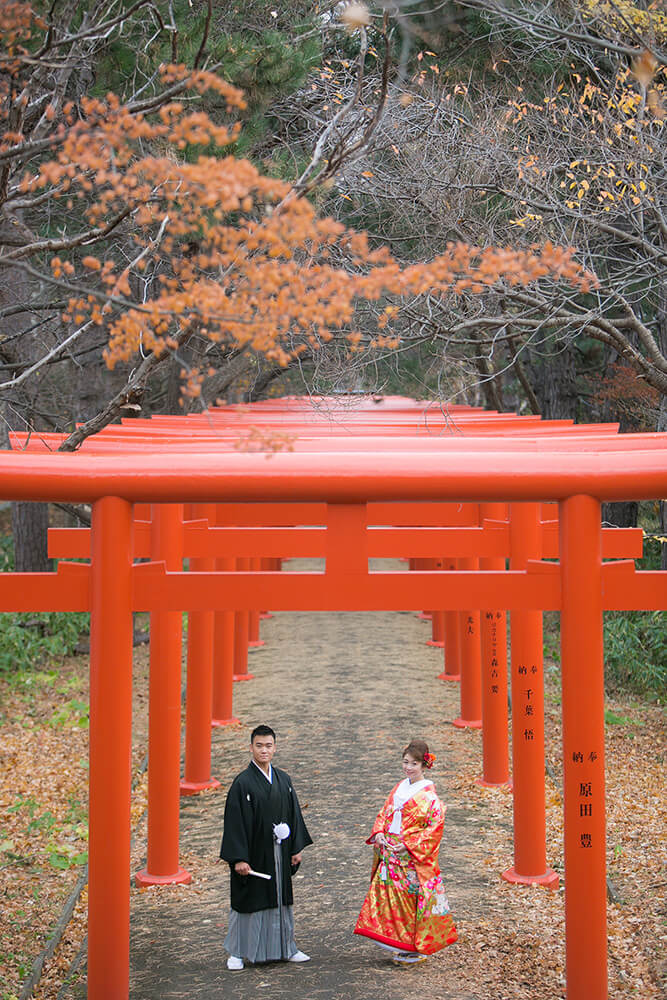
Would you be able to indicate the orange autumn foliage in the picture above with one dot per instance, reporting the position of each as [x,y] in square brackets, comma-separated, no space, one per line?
[209,244]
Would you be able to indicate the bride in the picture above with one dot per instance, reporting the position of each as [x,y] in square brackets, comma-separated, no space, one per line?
[405,909]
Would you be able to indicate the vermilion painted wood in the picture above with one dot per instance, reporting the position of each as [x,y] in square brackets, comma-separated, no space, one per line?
[437,623]
[241,633]
[199,540]
[452,669]
[199,689]
[333,478]
[527,684]
[583,750]
[471,662]
[495,746]
[624,589]
[223,664]
[110,750]
[164,714]
[577,438]
[224,644]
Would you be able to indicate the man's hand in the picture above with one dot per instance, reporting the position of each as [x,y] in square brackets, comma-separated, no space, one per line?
[242,868]
[296,859]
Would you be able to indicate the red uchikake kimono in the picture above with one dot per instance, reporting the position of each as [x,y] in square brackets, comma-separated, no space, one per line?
[406,906]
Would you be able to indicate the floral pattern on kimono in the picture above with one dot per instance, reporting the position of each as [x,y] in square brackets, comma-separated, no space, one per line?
[406,906]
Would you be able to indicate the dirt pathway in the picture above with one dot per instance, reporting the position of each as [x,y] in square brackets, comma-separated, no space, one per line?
[344,693]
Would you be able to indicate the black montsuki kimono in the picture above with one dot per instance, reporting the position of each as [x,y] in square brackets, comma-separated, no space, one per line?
[253,806]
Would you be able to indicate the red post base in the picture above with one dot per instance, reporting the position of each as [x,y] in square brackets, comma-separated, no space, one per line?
[494,784]
[233,721]
[144,878]
[449,677]
[265,614]
[256,643]
[193,787]
[424,616]
[467,723]
[437,643]
[549,879]
[243,677]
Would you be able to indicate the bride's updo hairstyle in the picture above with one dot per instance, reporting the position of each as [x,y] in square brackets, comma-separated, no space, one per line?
[418,750]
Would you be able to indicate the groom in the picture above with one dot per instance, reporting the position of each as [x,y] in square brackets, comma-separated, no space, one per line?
[264,834]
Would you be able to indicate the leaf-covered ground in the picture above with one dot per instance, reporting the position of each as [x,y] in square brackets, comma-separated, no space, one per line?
[345,691]
[44,811]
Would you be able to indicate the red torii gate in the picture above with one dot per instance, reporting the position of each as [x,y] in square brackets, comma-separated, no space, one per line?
[524,531]
[345,483]
[483,691]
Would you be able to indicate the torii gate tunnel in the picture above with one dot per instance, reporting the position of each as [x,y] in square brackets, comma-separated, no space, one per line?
[359,484]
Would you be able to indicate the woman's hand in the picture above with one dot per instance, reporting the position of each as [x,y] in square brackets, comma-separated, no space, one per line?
[380,840]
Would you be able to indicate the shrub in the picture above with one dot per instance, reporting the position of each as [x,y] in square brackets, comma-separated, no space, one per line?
[635,644]
[31,638]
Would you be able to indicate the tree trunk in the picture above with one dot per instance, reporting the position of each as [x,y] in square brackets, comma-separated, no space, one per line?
[29,525]
[662,426]
[555,382]
[622,514]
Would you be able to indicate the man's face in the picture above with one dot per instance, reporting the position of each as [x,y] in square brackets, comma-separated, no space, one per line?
[263,749]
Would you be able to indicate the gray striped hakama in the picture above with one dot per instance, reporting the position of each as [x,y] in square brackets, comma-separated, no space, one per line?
[266,935]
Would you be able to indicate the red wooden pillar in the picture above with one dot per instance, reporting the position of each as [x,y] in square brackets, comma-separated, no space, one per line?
[254,640]
[530,865]
[110,750]
[422,564]
[269,565]
[223,658]
[241,624]
[471,664]
[437,629]
[582,672]
[164,720]
[495,730]
[452,671]
[199,691]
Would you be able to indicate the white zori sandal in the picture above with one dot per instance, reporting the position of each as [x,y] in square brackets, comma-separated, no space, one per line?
[408,958]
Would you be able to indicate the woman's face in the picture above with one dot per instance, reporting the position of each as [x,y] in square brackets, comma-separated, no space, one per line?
[412,769]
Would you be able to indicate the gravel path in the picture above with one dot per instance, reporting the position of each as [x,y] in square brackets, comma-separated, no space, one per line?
[344,692]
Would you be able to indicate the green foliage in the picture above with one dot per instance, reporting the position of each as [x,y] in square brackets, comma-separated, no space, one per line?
[63,856]
[27,640]
[612,719]
[652,553]
[32,638]
[268,62]
[61,849]
[71,713]
[636,652]
[264,63]
[635,642]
